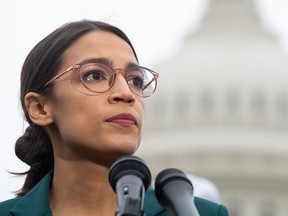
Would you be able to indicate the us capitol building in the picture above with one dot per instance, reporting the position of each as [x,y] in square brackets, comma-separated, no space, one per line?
[221,111]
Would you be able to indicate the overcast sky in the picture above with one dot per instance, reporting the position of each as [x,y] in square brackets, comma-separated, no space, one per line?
[154,27]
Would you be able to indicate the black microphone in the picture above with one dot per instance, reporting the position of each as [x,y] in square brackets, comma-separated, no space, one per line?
[174,191]
[130,177]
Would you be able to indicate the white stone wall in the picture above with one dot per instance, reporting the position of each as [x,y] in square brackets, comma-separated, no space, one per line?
[221,111]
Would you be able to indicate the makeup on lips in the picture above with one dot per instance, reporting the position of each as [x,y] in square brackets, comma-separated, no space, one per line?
[123,119]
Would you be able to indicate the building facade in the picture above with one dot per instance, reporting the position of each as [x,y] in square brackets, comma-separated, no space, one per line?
[221,111]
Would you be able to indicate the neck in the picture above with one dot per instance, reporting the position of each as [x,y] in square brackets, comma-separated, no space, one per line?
[81,188]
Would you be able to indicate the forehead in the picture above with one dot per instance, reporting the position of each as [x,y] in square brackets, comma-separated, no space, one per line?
[99,44]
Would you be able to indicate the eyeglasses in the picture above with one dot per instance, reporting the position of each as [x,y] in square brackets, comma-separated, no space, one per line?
[99,78]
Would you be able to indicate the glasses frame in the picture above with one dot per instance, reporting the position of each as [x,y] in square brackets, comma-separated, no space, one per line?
[77,67]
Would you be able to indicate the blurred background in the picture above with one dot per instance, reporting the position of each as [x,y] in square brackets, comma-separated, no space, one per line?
[220,112]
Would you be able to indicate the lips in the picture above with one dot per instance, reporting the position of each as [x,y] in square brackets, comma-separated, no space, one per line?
[123,119]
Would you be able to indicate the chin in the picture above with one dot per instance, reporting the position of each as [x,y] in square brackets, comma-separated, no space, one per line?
[120,149]
[125,147]
[124,151]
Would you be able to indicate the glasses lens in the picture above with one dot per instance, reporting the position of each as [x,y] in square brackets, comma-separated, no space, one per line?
[141,81]
[96,77]
[99,78]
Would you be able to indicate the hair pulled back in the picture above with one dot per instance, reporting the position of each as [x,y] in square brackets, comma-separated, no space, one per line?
[34,147]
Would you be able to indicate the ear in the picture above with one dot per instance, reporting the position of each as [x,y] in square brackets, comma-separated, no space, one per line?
[38,108]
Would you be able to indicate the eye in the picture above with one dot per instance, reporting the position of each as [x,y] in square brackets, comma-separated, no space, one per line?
[135,77]
[136,82]
[94,73]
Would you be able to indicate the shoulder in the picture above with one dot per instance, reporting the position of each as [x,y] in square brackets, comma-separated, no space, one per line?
[35,202]
[7,205]
[204,207]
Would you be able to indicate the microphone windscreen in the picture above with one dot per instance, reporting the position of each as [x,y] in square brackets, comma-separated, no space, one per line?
[167,176]
[129,165]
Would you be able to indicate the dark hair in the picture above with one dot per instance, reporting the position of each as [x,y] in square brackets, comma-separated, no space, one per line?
[34,147]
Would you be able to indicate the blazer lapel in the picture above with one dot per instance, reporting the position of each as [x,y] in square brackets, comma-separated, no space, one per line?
[35,202]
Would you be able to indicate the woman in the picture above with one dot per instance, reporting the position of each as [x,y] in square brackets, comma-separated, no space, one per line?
[82,92]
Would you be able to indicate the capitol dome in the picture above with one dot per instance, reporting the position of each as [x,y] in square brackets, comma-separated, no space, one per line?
[221,110]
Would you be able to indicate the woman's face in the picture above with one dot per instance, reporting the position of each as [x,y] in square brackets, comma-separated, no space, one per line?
[99,126]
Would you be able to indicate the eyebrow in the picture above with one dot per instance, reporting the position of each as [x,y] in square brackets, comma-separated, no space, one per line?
[107,62]
[104,61]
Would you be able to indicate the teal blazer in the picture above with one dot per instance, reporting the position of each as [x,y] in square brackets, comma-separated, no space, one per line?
[36,203]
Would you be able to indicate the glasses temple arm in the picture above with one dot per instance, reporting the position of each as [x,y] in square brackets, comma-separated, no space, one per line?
[149,83]
[56,77]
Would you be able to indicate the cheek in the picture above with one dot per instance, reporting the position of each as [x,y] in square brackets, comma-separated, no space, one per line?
[141,103]
[140,108]
[74,109]
[77,125]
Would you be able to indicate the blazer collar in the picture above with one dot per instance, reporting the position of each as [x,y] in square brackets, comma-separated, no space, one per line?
[151,205]
[36,201]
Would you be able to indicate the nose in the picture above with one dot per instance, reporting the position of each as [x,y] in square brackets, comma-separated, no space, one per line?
[120,91]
